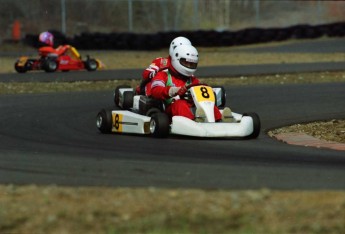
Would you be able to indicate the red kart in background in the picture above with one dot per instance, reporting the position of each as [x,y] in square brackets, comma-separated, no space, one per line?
[63,58]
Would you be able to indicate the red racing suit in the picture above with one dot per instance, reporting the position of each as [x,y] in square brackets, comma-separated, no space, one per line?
[158,64]
[160,86]
[50,51]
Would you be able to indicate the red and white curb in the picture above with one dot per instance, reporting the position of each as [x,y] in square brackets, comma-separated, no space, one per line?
[307,140]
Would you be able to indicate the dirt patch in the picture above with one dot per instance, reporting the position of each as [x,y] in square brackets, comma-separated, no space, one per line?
[333,130]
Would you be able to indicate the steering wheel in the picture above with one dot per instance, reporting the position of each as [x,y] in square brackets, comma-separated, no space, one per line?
[195,84]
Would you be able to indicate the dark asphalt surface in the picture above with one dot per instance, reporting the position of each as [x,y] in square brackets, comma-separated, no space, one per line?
[52,139]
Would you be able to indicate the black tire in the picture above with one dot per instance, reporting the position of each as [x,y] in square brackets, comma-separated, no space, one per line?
[91,65]
[159,125]
[127,100]
[20,69]
[256,125]
[153,111]
[50,65]
[117,94]
[104,121]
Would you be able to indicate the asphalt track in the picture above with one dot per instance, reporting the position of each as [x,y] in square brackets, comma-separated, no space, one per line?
[52,139]
[214,71]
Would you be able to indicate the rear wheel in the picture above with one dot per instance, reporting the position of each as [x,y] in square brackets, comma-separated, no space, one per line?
[222,97]
[20,69]
[117,94]
[159,125]
[91,65]
[50,65]
[256,125]
[104,121]
[127,100]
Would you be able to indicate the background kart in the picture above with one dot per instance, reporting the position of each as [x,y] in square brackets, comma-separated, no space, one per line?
[50,61]
[139,114]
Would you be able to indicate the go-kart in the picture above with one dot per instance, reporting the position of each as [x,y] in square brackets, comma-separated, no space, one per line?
[139,114]
[50,60]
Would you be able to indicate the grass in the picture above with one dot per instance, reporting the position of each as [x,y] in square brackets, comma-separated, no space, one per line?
[155,210]
[208,57]
[55,209]
[278,79]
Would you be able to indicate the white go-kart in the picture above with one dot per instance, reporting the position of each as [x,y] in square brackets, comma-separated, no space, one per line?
[138,114]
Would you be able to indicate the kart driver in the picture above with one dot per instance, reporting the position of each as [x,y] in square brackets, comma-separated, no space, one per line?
[47,39]
[159,64]
[170,84]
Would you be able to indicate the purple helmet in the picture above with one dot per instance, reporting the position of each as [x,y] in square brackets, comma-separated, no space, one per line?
[47,38]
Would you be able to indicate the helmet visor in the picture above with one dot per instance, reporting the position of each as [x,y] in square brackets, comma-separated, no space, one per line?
[188,63]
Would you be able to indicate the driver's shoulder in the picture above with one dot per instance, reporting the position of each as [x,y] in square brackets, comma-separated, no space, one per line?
[162,74]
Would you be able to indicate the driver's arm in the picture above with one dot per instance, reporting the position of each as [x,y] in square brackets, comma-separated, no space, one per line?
[159,90]
[62,49]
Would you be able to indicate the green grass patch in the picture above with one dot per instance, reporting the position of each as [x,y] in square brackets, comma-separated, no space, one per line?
[168,211]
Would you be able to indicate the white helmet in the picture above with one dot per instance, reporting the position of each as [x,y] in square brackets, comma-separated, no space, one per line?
[177,42]
[185,59]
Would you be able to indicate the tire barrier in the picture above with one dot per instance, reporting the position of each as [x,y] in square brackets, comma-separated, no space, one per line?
[200,38]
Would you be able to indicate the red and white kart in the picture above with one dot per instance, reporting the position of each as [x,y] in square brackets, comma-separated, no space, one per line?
[139,114]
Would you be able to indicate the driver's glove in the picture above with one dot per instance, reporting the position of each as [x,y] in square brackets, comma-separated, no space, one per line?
[174,91]
[182,91]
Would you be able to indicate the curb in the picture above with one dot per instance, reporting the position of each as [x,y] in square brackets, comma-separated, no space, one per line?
[303,139]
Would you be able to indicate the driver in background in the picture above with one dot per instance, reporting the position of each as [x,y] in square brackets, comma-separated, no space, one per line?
[157,65]
[47,39]
[170,84]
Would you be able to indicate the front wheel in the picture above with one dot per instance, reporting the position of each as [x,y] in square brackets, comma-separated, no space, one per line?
[159,125]
[256,125]
[152,111]
[104,121]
